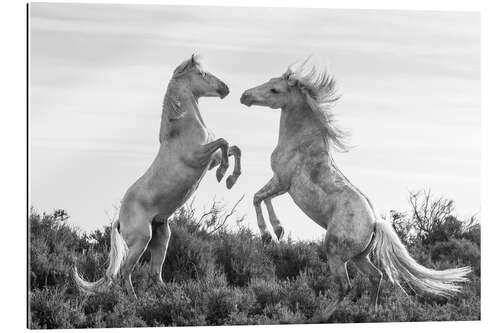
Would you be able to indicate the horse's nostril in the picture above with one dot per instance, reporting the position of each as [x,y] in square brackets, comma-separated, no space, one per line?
[245,98]
[223,90]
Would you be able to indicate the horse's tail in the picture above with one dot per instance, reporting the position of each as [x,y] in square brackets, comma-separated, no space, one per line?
[117,254]
[392,256]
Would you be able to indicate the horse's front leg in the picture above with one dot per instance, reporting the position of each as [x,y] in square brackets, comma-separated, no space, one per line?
[204,156]
[236,152]
[216,158]
[270,190]
[275,222]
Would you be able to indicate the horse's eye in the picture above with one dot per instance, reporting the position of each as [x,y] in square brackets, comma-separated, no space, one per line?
[274,91]
[203,74]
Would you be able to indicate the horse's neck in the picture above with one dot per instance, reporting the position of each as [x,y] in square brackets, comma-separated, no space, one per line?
[189,105]
[297,125]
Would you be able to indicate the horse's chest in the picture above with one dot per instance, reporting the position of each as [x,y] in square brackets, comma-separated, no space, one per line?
[283,163]
[209,136]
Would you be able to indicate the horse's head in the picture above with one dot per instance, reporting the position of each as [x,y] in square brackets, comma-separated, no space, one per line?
[201,83]
[276,93]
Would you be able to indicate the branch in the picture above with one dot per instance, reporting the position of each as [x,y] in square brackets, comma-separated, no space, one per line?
[224,220]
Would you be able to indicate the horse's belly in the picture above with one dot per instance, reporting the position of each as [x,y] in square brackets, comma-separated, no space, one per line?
[312,201]
[177,189]
[168,183]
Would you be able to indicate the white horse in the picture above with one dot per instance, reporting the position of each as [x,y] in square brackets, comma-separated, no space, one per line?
[303,167]
[187,151]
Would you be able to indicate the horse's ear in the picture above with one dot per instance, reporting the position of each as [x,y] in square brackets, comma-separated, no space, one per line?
[193,59]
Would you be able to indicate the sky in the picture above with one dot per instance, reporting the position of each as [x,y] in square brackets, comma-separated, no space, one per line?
[409,80]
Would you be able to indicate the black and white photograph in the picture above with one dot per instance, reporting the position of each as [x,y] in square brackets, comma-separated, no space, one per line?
[195,165]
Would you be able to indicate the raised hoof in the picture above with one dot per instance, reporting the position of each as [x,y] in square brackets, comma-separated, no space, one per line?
[220,173]
[230,181]
[279,232]
[266,238]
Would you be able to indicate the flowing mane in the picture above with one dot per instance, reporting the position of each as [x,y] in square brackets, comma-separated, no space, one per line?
[319,88]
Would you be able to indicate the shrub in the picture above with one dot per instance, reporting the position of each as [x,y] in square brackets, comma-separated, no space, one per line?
[188,256]
[267,292]
[241,256]
[223,276]
[299,297]
[52,248]
[473,233]
[49,308]
[457,252]
[173,308]
[280,313]
[104,301]
[221,303]
[124,314]
[291,258]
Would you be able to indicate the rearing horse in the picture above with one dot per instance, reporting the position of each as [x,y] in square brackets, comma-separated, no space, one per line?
[187,151]
[303,167]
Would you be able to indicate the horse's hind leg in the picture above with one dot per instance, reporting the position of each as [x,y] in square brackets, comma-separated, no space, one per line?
[339,252]
[158,248]
[137,240]
[338,270]
[364,264]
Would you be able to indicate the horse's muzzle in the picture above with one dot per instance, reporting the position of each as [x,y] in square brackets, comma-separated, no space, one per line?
[223,90]
[246,98]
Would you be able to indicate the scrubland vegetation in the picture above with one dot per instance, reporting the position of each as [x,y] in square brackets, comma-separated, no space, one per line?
[218,272]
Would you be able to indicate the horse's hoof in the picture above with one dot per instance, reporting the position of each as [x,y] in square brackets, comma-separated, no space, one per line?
[279,232]
[266,238]
[230,181]
[221,171]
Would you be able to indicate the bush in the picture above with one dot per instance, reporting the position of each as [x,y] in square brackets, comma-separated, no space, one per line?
[221,303]
[291,258]
[241,256]
[188,256]
[174,308]
[457,252]
[299,297]
[49,308]
[218,276]
[52,248]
